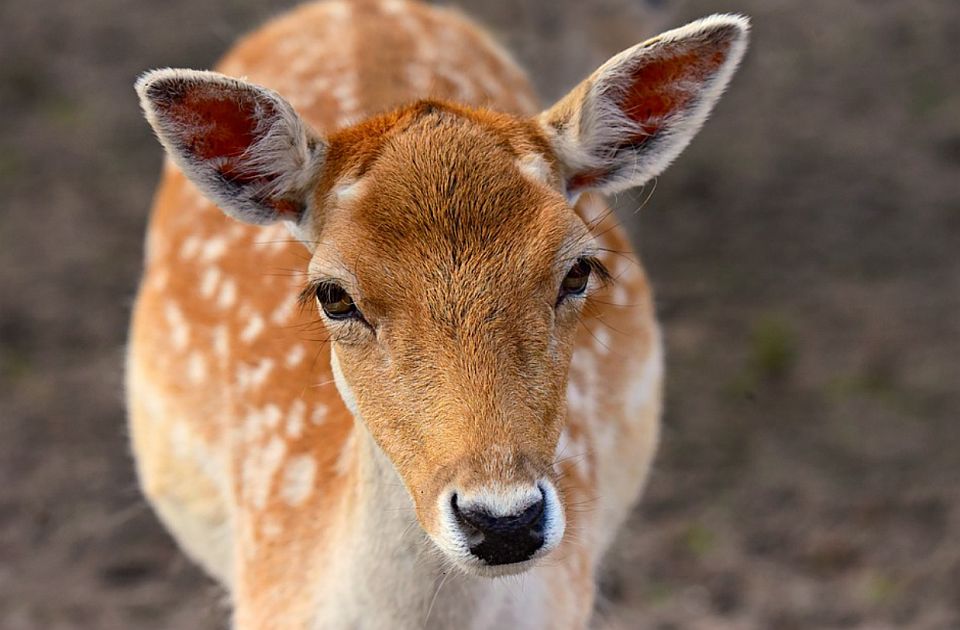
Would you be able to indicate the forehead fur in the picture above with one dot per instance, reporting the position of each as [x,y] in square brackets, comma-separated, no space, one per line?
[356,148]
[443,189]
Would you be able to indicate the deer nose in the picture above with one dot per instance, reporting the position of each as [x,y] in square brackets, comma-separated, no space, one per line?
[502,539]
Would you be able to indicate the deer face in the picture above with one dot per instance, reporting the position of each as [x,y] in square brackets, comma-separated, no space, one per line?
[450,276]
[447,262]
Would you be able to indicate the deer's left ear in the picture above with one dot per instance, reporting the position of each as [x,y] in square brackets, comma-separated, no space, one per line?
[625,123]
[241,144]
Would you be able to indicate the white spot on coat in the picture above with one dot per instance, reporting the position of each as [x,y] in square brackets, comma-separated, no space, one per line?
[190,247]
[298,479]
[272,416]
[209,281]
[251,376]
[295,356]
[601,335]
[179,330]
[221,342]
[259,470]
[252,330]
[346,454]
[228,294]
[271,528]
[534,167]
[160,279]
[295,418]
[197,368]
[282,313]
[319,415]
[214,249]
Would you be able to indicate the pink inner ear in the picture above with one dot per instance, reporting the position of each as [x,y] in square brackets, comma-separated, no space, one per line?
[586,179]
[215,122]
[218,124]
[663,87]
[659,89]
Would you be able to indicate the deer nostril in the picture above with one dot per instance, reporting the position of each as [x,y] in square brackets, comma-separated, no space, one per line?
[503,525]
[498,539]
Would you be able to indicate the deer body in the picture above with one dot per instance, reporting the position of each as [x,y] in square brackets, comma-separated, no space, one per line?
[347,484]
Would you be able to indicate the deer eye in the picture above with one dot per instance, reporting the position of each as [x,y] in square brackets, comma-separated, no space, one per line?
[576,279]
[335,302]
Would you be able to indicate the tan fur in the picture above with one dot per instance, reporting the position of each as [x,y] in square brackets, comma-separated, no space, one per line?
[448,225]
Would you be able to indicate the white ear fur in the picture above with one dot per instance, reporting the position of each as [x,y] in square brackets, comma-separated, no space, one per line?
[608,138]
[241,144]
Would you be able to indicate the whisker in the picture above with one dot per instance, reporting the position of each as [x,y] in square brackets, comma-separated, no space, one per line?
[433,601]
[653,189]
[595,338]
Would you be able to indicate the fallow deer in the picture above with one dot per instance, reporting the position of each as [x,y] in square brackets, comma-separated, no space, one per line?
[438,363]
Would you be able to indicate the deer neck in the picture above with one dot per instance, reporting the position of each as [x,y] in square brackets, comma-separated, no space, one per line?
[387,572]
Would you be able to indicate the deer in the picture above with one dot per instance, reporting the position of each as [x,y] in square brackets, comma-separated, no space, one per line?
[393,362]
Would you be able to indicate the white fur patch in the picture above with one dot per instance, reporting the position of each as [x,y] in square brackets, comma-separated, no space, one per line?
[209,281]
[214,249]
[346,393]
[253,376]
[252,330]
[297,483]
[179,329]
[272,416]
[295,419]
[498,500]
[319,415]
[228,294]
[284,311]
[190,247]
[197,368]
[347,190]
[221,342]
[295,356]
[534,167]
[160,278]
[345,460]
[601,335]
[259,469]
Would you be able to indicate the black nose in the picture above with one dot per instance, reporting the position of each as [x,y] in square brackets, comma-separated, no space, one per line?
[503,539]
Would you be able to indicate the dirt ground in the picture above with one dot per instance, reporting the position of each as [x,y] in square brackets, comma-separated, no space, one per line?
[806,253]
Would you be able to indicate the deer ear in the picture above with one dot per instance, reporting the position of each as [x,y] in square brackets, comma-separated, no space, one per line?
[625,123]
[241,144]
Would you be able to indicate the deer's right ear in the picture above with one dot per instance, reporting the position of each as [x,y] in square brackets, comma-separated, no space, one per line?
[242,145]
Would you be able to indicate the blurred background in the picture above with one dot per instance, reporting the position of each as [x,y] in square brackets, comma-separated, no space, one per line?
[805,251]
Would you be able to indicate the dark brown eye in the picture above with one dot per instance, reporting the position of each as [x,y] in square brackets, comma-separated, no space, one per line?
[335,302]
[576,279]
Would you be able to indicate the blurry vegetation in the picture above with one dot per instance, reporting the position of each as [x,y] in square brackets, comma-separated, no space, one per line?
[928,94]
[11,163]
[657,592]
[878,381]
[772,352]
[13,365]
[61,111]
[698,540]
[773,349]
[877,384]
[881,589]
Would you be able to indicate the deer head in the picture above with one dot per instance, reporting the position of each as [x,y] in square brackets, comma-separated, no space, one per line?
[447,262]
